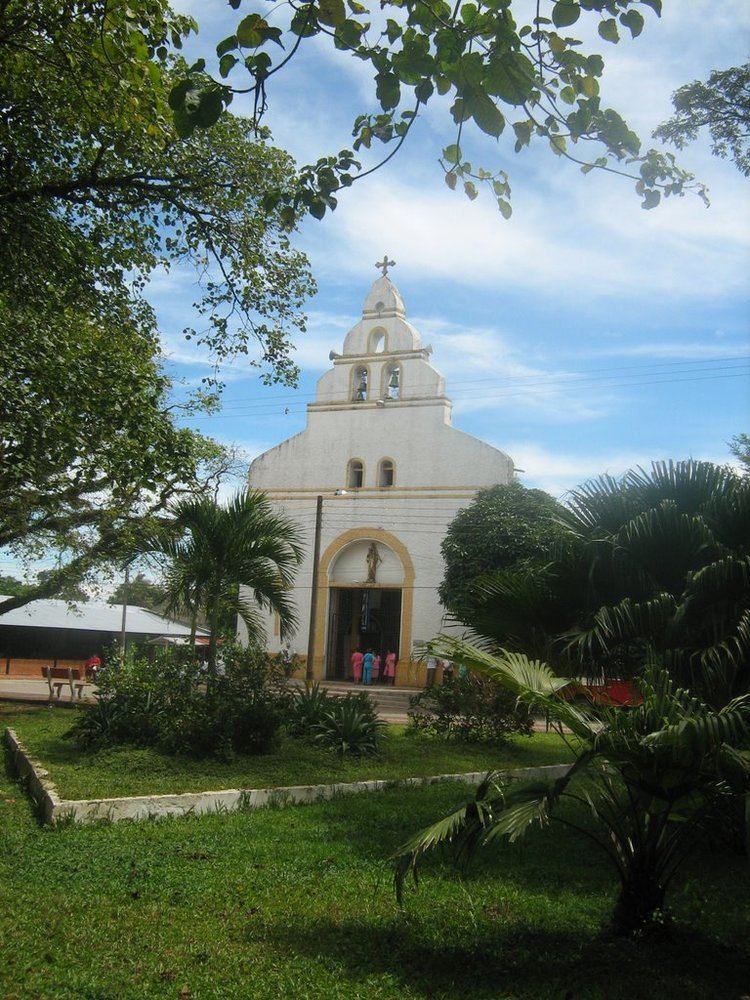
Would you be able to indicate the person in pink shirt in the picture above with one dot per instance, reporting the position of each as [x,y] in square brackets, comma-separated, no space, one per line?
[389,673]
[357,666]
[376,668]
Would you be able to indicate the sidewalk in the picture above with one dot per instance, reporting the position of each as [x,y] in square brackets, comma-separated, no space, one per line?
[32,690]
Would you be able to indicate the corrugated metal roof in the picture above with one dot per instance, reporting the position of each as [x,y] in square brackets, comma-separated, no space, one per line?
[92,616]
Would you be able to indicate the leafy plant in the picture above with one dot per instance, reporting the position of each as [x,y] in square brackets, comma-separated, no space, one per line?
[650,779]
[469,708]
[508,69]
[164,702]
[308,708]
[350,725]
[503,527]
[657,559]
[215,552]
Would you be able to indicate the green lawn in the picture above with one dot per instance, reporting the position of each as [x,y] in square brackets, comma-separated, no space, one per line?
[298,903]
[133,771]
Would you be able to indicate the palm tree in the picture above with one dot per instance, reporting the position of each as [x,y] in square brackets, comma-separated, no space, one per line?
[657,559]
[650,778]
[214,550]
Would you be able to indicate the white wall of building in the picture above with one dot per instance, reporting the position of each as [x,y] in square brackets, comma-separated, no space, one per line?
[438,469]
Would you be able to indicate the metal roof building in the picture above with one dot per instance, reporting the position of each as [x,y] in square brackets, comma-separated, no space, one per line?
[54,632]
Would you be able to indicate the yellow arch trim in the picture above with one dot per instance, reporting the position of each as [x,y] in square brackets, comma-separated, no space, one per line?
[407,591]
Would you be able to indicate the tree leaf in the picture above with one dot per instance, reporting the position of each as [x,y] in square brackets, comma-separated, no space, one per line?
[558,144]
[452,153]
[388,90]
[510,77]
[331,12]
[608,30]
[505,208]
[484,112]
[633,20]
[565,12]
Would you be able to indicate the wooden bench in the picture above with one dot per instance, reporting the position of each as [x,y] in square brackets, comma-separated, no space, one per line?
[57,677]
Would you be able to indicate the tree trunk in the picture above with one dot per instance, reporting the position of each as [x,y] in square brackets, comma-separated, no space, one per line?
[193,630]
[641,895]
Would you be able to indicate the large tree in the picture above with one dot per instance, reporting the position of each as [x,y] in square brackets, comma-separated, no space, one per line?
[508,68]
[656,559]
[502,527]
[141,592]
[721,105]
[98,192]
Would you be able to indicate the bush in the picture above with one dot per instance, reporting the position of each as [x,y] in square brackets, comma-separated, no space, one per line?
[166,702]
[308,708]
[350,725]
[468,708]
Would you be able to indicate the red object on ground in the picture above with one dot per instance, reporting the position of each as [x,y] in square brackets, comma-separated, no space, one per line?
[617,692]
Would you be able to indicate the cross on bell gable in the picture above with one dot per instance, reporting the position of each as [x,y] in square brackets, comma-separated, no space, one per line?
[384,264]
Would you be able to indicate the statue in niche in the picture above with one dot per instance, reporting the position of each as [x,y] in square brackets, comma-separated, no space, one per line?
[373,561]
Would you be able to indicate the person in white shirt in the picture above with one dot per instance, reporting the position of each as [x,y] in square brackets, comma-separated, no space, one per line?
[431,668]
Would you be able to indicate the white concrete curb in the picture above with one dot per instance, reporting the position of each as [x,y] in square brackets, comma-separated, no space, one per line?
[54,809]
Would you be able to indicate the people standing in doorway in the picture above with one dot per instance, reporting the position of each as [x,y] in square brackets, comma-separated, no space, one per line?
[431,668]
[357,666]
[376,668]
[389,674]
[447,671]
[367,661]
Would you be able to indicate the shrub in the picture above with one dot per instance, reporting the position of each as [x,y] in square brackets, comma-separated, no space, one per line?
[307,710]
[468,708]
[350,725]
[165,702]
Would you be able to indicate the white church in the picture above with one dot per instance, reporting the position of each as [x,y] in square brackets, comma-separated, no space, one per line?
[380,450]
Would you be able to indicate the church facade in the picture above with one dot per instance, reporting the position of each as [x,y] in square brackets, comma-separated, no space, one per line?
[380,450]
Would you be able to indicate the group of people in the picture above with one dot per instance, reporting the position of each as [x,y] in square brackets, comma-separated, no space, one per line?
[368,668]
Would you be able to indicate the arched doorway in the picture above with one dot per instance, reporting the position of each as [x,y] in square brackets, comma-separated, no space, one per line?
[368,579]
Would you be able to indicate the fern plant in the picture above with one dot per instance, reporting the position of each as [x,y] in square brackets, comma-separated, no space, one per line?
[650,778]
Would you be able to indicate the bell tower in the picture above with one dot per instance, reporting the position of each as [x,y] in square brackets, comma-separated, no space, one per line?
[383,363]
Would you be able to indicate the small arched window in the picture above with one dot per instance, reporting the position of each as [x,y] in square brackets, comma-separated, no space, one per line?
[386,473]
[393,382]
[377,341]
[359,384]
[355,474]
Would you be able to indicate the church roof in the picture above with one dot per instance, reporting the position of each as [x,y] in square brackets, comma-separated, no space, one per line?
[383,300]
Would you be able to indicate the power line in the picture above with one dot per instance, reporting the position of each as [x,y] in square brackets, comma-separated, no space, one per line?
[639,368]
[522,391]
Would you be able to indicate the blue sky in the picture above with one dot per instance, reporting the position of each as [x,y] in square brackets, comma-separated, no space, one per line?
[585,334]
[582,336]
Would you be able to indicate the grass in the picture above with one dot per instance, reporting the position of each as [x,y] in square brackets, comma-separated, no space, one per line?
[298,903]
[137,771]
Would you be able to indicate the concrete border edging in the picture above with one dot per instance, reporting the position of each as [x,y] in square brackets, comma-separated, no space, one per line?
[37,779]
[138,807]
